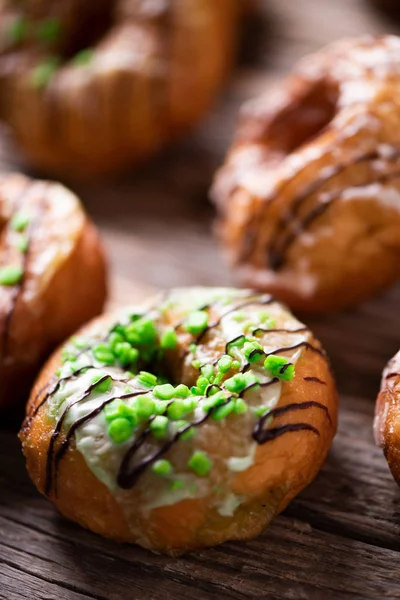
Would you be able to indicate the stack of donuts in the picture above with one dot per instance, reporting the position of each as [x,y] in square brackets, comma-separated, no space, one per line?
[197,416]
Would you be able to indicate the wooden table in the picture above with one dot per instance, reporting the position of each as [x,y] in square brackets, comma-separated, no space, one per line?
[341,538]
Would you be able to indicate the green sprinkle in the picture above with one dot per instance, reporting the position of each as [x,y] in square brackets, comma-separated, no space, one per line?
[182,391]
[169,340]
[208,371]
[11,275]
[236,343]
[176,485]
[43,72]
[49,30]
[164,392]
[253,351]
[213,401]
[212,390]
[236,384]
[119,329]
[159,426]
[196,322]
[279,366]
[160,407]
[126,355]
[221,412]
[84,57]
[104,354]
[120,430]
[193,348]
[147,379]
[202,383]
[196,364]
[144,406]
[239,382]
[162,467]
[68,354]
[188,434]
[179,409]
[141,332]
[225,363]
[104,386]
[236,365]
[135,317]
[117,409]
[79,342]
[20,221]
[200,463]
[114,339]
[18,30]
[239,317]
[261,411]
[240,406]
[22,243]
[218,379]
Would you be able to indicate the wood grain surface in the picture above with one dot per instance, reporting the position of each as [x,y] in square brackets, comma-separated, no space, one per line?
[340,539]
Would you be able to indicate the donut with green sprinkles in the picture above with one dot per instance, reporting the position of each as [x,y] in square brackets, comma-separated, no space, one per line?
[169,402]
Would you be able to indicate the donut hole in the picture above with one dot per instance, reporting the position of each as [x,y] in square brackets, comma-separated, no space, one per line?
[88,31]
[304,118]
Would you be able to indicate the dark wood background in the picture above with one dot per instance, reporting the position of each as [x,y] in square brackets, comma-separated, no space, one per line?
[341,538]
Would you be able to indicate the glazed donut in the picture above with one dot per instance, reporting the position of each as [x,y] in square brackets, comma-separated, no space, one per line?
[227,412]
[387,417]
[88,88]
[52,277]
[309,198]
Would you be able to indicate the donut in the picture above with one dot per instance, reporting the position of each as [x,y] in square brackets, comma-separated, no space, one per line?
[308,198]
[52,278]
[387,418]
[182,423]
[89,88]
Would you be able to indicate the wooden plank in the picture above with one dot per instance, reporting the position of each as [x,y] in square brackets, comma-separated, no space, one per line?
[340,535]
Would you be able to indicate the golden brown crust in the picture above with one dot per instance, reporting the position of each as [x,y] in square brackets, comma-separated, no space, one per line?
[281,469]
[133,96]
[387,416]
[64,281]
[309,195]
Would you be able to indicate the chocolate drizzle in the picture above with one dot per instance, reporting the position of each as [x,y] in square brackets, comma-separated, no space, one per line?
[278,247]
[315,379]
[262,436]
[280,244]
[306,345]
[263,301]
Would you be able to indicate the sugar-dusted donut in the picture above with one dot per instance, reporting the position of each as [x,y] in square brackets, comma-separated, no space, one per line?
[387,416]
[88,88]
[309,196]
[228,411]
[52,277]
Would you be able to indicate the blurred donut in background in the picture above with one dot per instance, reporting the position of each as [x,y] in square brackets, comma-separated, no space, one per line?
[88,88]
[309,196]
[52,277]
